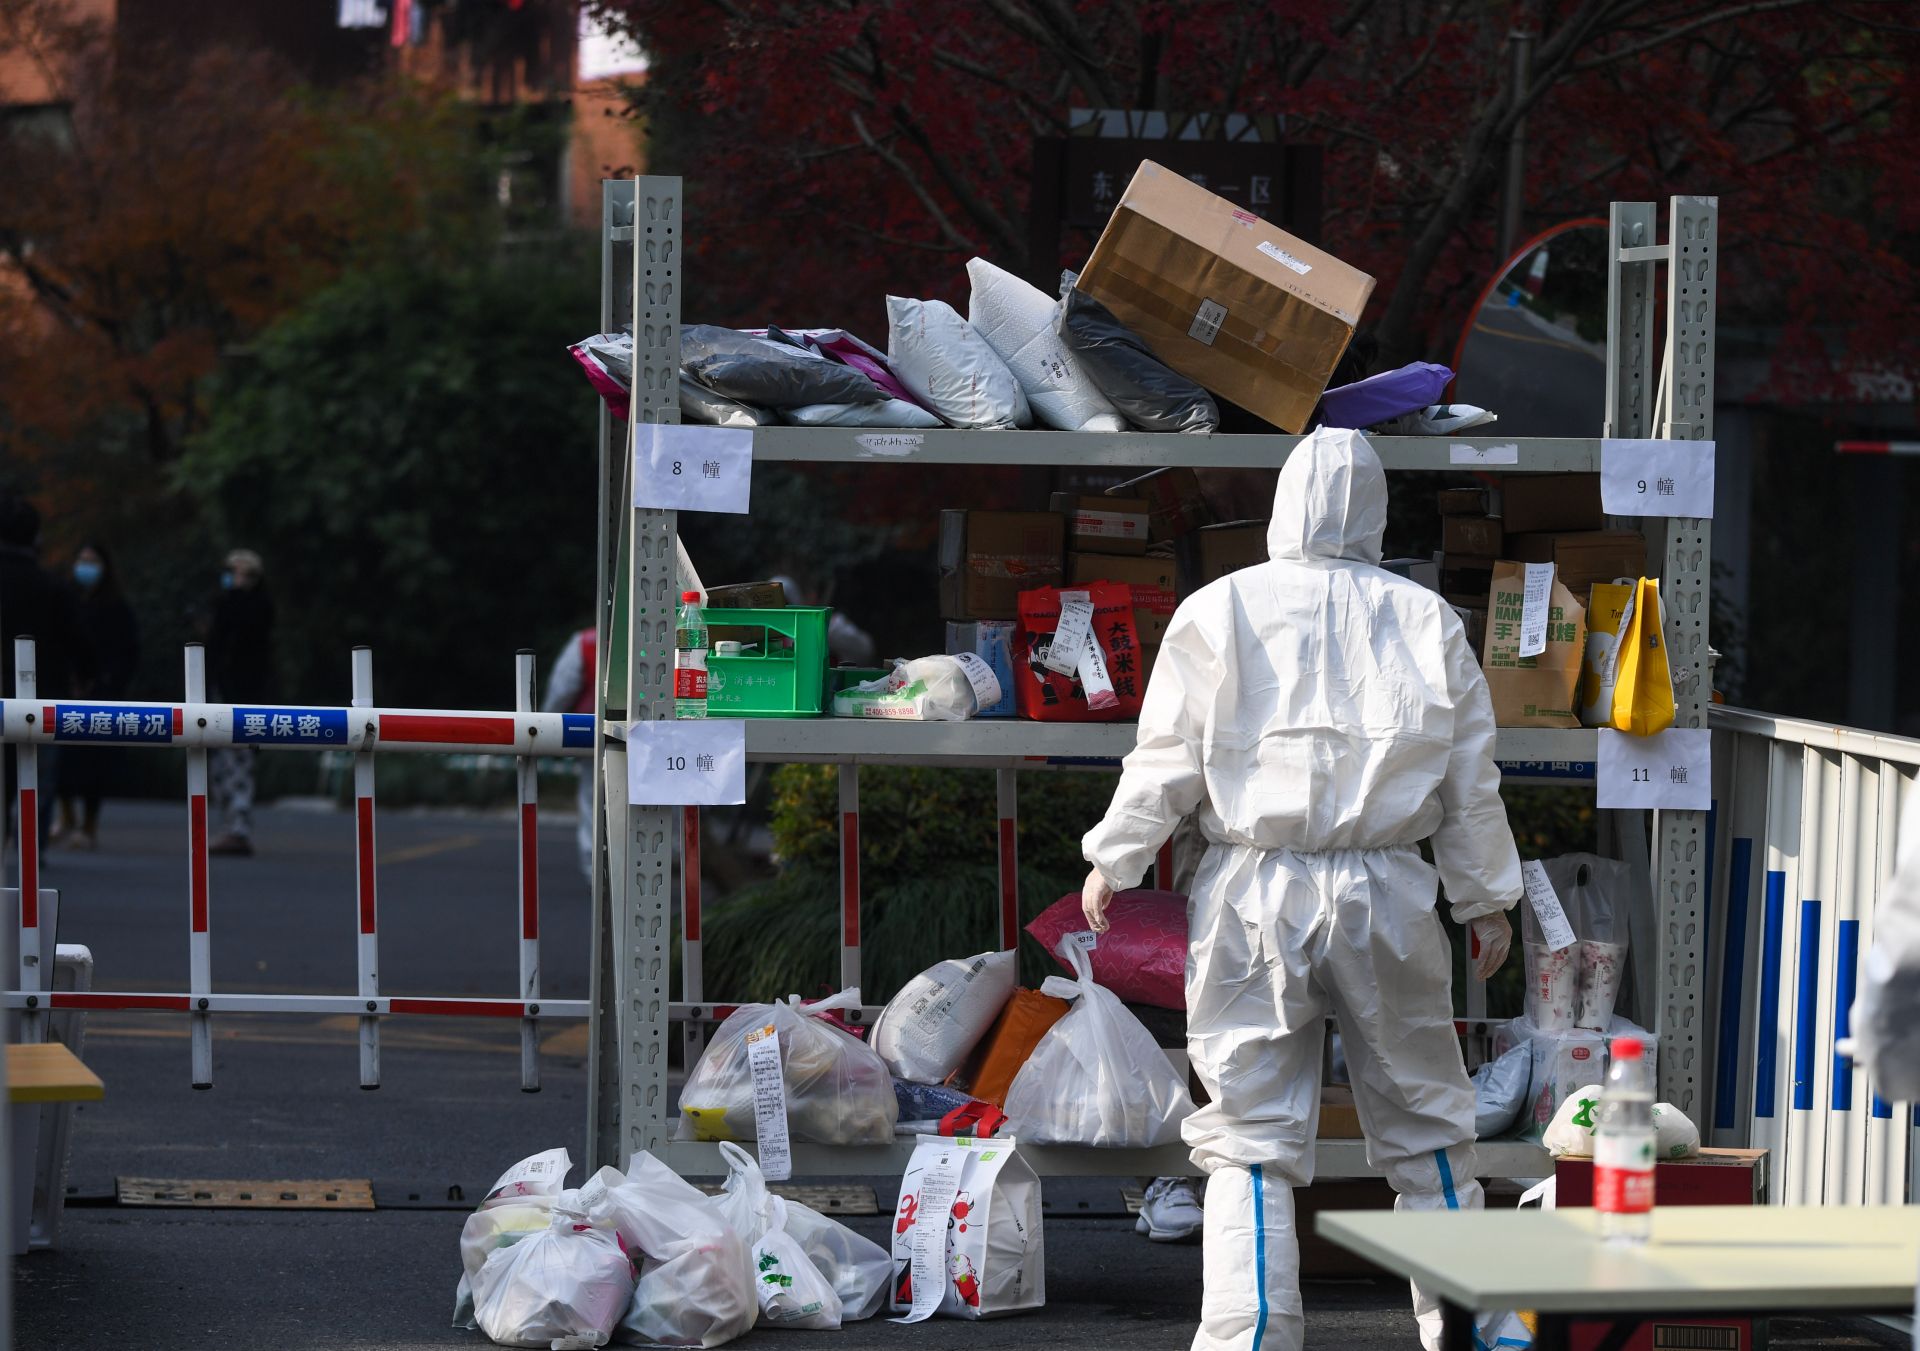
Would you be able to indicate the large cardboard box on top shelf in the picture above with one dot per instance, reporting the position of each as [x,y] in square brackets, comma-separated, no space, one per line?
[1104,524]
[1583,557]
[1228,300]
[987,558]
[1210,554]
[1175,504]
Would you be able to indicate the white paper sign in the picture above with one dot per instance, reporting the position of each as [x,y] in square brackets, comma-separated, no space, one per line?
[692,468]
[1533,609]
[938,1184]
[1657,478]
[1073,637]
[1671,770]
[891,445]
[769,1104]
[1546,906]
[701,762]
[1458,452]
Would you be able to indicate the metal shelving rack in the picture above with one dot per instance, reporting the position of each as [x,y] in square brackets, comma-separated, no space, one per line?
[642,243]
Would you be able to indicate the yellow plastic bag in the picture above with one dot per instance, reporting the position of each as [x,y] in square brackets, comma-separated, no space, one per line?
[1642,682]
[1610,604]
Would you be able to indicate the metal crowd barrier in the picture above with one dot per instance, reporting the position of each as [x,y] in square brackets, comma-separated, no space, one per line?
[29,721]
[1802,841]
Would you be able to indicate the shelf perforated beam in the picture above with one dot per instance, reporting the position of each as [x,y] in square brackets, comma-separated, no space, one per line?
[1147,451]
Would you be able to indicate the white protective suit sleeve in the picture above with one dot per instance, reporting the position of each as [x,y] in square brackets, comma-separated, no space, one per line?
[1162,779]
[1886,1019]
[1473,847]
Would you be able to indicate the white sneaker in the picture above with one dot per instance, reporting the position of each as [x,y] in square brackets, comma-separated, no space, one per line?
[1171,1211]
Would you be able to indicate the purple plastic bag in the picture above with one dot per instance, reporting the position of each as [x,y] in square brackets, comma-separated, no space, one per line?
[1386,395]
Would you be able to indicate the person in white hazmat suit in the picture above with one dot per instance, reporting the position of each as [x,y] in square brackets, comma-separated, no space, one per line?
[1323,717]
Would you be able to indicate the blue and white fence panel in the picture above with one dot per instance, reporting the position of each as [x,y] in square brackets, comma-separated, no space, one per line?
[30,720]
[1806,817]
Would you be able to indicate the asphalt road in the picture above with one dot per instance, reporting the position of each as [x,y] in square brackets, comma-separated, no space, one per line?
[286,1105]
[1541,379]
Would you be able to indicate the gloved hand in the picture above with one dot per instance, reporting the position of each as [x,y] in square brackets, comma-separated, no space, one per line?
[1492,937]
[1095,896]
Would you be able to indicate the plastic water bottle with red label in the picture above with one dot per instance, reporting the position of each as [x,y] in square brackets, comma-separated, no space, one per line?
[690,659]
[1623,1147]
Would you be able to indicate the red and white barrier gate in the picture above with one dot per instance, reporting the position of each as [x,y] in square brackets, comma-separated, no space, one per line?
[30,720]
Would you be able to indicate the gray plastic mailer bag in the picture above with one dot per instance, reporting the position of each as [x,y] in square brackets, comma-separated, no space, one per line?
[769,374]
[1148,392]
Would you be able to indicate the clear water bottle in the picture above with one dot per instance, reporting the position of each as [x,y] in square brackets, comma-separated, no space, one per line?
[690,659]
[1623,1146]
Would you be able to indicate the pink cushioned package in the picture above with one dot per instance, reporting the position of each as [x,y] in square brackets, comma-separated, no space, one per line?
[1143,957]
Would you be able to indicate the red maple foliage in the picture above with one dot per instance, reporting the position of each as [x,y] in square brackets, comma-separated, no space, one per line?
[836,151]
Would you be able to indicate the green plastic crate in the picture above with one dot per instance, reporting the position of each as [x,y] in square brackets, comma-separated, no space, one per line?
[781,675]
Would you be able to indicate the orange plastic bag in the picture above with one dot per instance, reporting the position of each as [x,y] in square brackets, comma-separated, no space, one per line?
[1027,1017]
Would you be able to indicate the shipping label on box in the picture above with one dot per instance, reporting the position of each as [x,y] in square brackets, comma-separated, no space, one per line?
[1537,691]
[1227,299]
[1104,524]
[991,640]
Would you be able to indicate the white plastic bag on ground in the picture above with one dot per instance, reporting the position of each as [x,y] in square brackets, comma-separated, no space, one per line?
[967,1234]
[1097,1077]
[837,1091]
[563,1288]
[939,1016]
[517,1206]
[694,1287]
[856,1267]
[948,366]
[792,1291]
[1017,321]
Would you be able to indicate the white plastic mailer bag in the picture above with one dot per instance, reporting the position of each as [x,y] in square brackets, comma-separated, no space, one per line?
[929,1028]
[1675,1135]
[832,1088]
[856,1267]
[1500,1092]
[1097,1077]
[888,413]
[1570,1134]
[562,1288]
[945,364]
[517,1206]
[792,1291]
[967,1236]
[694,1287]
[1017,320]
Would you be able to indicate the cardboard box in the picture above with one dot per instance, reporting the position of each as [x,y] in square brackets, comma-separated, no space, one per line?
[1466,582]
[1469,501]
[1583,557]
[1475,619]
[1228,300]
[1530,502]
[1425,571]
[1716,1177]
[1473,536]
[1152,581]
[747,596]
[987,558]
[991,640]
[1542,691]
[1176,505]
[1104,524]
[1210,554]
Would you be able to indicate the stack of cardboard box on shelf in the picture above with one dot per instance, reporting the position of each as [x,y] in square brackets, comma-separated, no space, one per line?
[1154,535]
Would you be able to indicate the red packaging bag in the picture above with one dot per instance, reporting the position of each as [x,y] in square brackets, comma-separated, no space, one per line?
[1142,957]
[1046,695]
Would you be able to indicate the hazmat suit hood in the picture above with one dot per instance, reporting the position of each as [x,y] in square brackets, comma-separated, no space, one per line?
[1331,502]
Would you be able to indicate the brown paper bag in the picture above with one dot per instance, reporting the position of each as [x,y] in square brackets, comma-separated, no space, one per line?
[1539,691]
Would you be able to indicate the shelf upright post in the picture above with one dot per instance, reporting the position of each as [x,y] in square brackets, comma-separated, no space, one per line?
[641,890]
[1682,840]
[616,308]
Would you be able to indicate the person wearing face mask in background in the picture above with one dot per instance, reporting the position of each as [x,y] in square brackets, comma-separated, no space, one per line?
[106,621]
[239,671]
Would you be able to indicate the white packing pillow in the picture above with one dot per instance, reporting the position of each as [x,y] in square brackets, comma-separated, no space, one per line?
[939,1016]
[949,367]
[1017,321]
